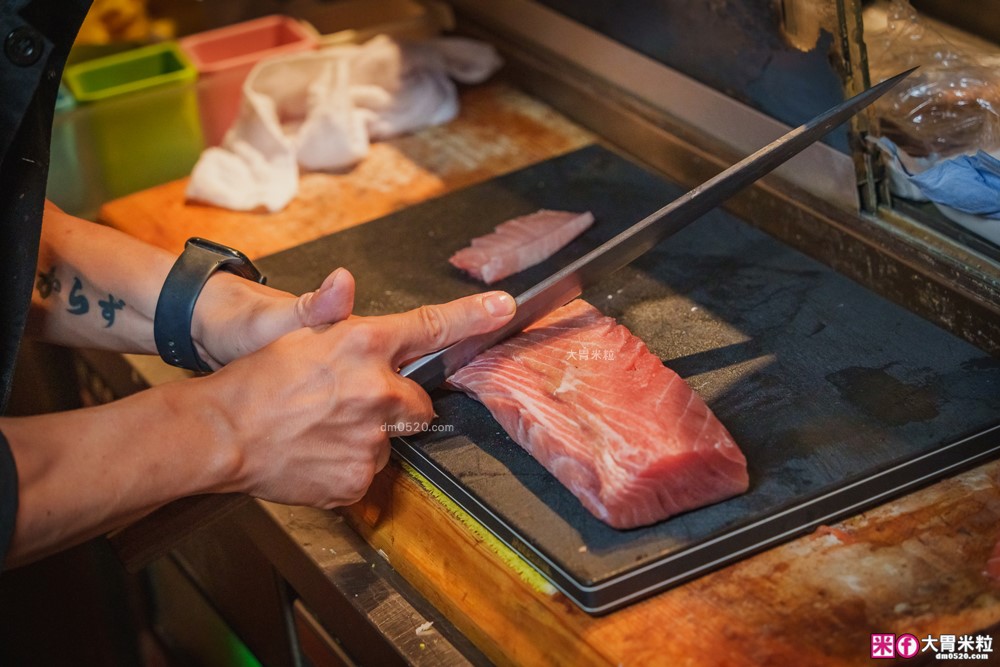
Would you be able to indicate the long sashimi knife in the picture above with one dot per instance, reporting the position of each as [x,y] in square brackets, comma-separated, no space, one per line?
[430,371]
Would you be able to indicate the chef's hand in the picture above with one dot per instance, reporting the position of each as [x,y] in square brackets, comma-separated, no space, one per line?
[312,412]
[234,317]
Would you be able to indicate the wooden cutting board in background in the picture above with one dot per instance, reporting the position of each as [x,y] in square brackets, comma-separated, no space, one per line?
[396,173]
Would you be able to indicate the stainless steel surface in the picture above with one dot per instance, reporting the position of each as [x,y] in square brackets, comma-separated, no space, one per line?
[821,171]
[431,370]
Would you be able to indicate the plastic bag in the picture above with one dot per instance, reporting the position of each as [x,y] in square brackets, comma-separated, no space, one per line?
[951,105]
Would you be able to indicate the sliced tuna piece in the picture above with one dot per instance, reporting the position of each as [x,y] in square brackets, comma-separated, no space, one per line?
[519,243]
[622,431]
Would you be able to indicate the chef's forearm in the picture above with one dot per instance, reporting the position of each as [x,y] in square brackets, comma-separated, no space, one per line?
[85,472]
[94,286]
[97,287]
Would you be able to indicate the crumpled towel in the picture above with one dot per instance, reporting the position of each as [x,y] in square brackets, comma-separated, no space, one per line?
[320,111]
[967,183]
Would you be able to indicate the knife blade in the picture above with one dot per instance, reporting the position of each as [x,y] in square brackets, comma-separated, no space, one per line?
[430,371]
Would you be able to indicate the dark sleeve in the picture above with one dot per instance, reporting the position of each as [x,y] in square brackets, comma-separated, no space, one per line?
[8,497]
[36,37]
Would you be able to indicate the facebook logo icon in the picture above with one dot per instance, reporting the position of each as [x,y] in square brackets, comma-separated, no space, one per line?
[907,646]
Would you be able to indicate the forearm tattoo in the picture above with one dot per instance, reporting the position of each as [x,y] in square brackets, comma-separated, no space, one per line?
[108,309]
[48,283]
[79,304]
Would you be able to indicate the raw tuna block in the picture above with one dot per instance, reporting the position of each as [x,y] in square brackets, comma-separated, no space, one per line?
[519,243]
[622,431]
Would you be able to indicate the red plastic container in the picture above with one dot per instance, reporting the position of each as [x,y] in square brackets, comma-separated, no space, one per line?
[224,57]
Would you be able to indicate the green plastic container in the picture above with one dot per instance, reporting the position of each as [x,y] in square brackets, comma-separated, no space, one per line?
[146,138]
[129,72]
[138,110]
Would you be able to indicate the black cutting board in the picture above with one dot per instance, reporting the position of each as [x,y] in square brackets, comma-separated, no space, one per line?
[839,398]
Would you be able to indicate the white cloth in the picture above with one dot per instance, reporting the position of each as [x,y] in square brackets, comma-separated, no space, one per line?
[320,110]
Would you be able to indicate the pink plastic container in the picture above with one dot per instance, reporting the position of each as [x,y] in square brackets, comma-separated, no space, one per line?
[224,57]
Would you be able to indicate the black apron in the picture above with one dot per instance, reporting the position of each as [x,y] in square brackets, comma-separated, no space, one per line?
[35,38]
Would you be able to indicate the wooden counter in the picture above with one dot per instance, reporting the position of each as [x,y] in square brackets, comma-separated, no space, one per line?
[915,565]
[499,130]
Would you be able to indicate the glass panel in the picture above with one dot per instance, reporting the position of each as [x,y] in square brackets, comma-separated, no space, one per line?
[940,131]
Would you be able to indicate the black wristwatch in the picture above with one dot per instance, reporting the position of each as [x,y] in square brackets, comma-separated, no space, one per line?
[175,307]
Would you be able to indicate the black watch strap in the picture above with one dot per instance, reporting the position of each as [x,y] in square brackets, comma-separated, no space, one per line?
[175,306]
